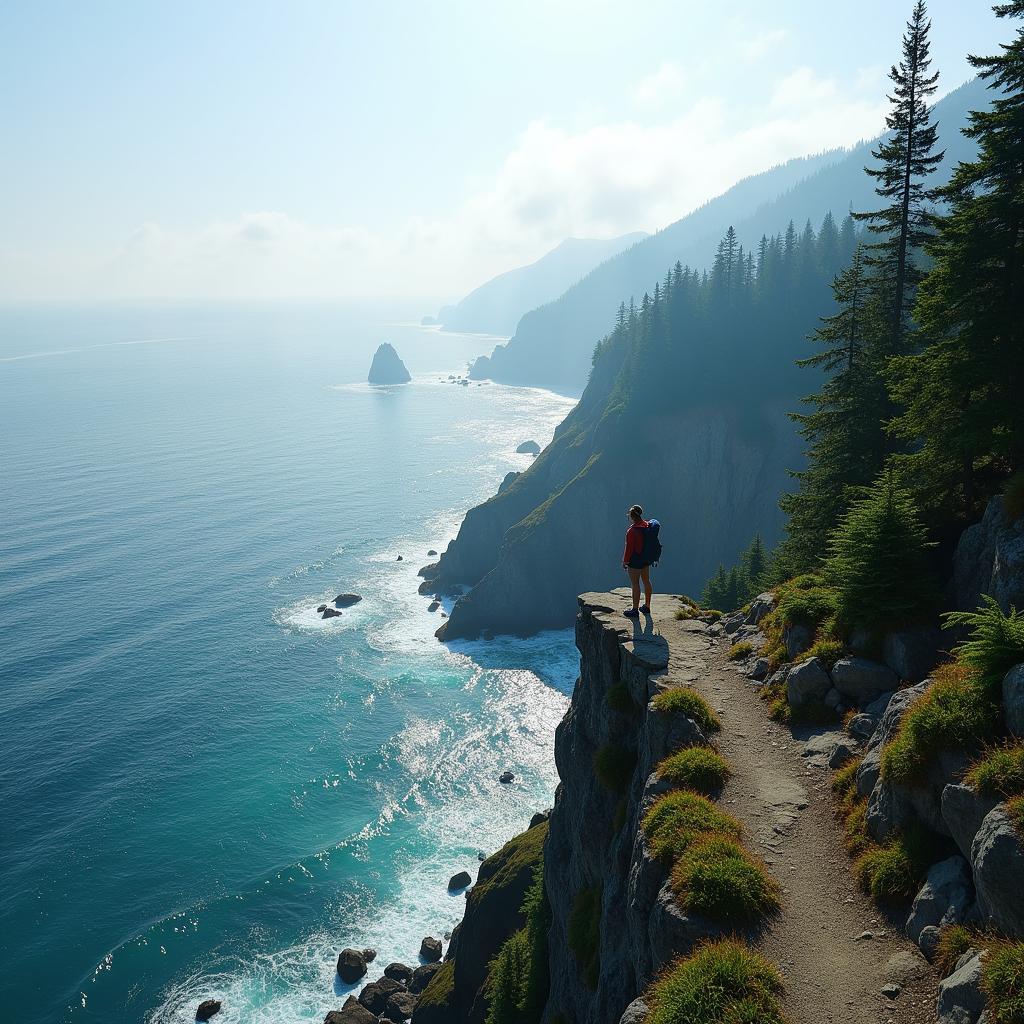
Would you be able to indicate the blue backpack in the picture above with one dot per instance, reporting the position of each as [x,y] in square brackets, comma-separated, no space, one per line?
[652,543]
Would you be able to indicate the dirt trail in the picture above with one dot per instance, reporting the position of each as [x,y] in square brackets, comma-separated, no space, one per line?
[782,796]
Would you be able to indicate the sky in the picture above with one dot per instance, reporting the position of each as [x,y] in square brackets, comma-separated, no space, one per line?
[344,151]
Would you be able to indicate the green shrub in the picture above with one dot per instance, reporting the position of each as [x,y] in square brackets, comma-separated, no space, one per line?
[679,818]
[1002,979]
[954,941]
[711,614]
[877,561]
[697,768]
[438,993]
[683,700]
[894,872]
[721,983]
[613,765]
[805,600]
[844,781]
[1000,772]
[740,650]
[518,982]
[685,599]
[687,612]
[953,714]
[829,651]
[1015,812]
[618,698]
[996,643]
[717,878]
[585,933]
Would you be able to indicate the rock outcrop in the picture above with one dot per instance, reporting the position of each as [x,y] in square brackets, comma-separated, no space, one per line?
[387,367]
[989,559]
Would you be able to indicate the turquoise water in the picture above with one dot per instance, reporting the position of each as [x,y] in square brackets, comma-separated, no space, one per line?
[208,791]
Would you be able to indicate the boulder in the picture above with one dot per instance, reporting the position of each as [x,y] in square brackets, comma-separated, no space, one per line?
[928,941]
[433,606]
[844,750]
[387,367]
[376,995]
[636,1013]
[320,607]
[893,806]
[1013,699]
[944,898]
[431,553]
[400,558]
[529,448]
[861,726]
[912,653]
[207,1008]
[460,880]
[807,681]
[961,1000]
[422,975]
[997,859]
[731,623]
[867,774]
[833,699]
[963,810]
[797,639]
[506,777]
[861,679]
[346,600]
[329,612]
[759,608]
[759,670]
[540,816]
[351,1013]
[369,955]
[351,965]
[399,1007]
[430,949]
[399,972]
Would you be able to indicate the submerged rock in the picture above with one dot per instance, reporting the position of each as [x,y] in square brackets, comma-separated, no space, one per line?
[347,600]
[506,777]
[329,612]
[207,1008]
[387,367]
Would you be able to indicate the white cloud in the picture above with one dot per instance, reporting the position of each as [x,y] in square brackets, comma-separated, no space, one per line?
[665,86]
[601,180]
[759,44]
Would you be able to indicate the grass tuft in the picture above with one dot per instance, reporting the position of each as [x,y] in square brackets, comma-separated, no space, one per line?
[1000,772]
[740,649]
[893,873]
[954,941]
[829,651]
[1002,979]
[697,768]
[680,818]
[717,878]
[685,701]
[721,983]
[613,765]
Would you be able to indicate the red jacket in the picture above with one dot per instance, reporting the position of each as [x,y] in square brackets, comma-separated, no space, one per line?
[634,541]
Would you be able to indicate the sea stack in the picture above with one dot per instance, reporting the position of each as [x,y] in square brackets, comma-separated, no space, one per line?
[387,367]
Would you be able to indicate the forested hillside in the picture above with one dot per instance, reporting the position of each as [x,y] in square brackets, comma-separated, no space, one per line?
[552,345]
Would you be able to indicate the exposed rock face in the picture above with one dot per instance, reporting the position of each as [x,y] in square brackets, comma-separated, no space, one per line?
[963,810]
[989,559]
[507,481]
[399,1007]
[961,1000]
[589,849]
[998,860]
[862,680]
[807,681]
[1013,699]
[867,774]
[422,975]
[913,653]
[387,367]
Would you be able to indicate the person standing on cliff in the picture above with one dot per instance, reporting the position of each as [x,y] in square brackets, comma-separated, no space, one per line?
[634,562]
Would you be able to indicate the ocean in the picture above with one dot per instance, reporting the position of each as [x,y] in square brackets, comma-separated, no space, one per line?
[207,791]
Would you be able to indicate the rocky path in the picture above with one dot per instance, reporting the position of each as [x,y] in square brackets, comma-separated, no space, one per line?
[835,949]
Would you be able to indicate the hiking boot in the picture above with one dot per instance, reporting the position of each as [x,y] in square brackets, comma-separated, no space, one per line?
[631,613]
[645,609]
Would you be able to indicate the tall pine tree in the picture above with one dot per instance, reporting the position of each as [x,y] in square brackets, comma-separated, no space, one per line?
[963,395]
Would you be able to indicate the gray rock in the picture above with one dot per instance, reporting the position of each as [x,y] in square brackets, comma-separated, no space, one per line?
[867,774]
[459,880]
[351,1013]
[430,949]
[989,559]
[963,810]
[1013,699]
[861,726]
[346,600]
[819,748]
[731,623]
[961,1000]
[759,670]
[387,367]
[912,653]
[928,941]
[507,481]
[207,1008]
[833,699]
[540,816]
[433,606]
[399,1007]
[894,806]
[943,899]
[845,750]
[529,448]
[507,777]
[807,681]
[997,859]
[862,679]
[759,608]
[636,1013]
[401,973]
[891,990]
[351,965]
[797,639]
[329,612]
[422,975]
[376,995]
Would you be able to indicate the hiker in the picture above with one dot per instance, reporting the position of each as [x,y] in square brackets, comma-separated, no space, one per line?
[641,552]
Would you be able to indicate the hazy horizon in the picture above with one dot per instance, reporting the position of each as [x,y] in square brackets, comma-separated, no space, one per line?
[241,152]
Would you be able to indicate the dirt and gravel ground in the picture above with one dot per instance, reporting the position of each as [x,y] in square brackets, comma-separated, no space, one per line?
[834,947]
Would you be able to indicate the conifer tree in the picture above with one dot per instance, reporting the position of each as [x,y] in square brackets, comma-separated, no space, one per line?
[964,394]
[906,157]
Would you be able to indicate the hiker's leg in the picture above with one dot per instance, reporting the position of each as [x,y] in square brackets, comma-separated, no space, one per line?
[645,575]
[634,579]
